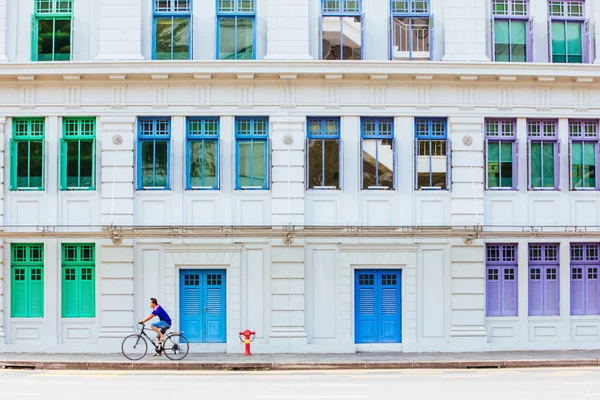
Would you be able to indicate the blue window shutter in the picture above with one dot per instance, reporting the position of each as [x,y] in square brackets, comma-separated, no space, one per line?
[363,48]
[530,41]
[365,304]
[214,306]
[493,41]
[188,158]
[191,305]
[391,37]
[416,165]
[448,164]
[191,32]
[493,292]
[592,296]
[389,324]
[320,57]
[431,37]
[395,174]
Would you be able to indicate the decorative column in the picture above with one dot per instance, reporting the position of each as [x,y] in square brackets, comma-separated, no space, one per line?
[468,277]
[287,30]
[116,255]
[120,32]
[465,30]
[3,30]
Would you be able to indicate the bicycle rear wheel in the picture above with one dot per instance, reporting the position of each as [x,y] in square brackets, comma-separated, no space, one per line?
[134,347]
[176,347]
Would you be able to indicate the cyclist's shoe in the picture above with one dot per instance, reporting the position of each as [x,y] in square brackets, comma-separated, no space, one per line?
[157,354]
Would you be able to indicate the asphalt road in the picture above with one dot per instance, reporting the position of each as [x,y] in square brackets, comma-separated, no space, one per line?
[505,384]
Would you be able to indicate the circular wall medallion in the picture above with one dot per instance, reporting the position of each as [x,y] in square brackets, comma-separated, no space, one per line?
[467,140]
[117,139]
[288,139]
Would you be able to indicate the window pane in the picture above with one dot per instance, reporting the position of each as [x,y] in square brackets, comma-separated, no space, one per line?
[536,164]
[315,163]
[244,38]
[385,163]
[589,157]
[36,159]
[87,163]
[22,164]
[147,167]
[161,161]
[574,43]
[227,38]
[331,38]
[351,38]
[196,164]
[45,39]
[502,40]
[163,38]
[493,164]
[210,163]
[73,164]
[181,39]
[252,163]
[548,165]
[332,163]
[559,47]
[518,38]
[506,165]
[62,40]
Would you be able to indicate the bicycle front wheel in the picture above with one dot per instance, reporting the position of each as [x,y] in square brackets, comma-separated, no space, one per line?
[134,347]
[176,347]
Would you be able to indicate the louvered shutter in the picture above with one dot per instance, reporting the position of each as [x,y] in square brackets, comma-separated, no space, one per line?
[34,38]
[557,164]
[14,155]
[592,306]
[70,297]
[509,291]
[486,164]
[535,293]
[530,41]
[549,40]
[416,165]
[391,38]
[18,292]
[363,36]
[36,292]
[493,41]
[570,155]
[395,175]
[366,328]
[87,292]
[587,40]
[63,164]
[448,164]
[431,38]
[214,307]
[529,187]
[516,170]
[551,294]
[577,292]
[493,291]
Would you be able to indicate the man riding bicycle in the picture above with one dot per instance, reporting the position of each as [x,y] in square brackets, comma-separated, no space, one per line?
[164,322]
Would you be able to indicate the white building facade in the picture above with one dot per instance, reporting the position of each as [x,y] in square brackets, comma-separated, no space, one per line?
[336,175]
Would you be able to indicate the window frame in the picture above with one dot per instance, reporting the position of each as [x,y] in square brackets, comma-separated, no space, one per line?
[341,14]
[78,137]
[502,264]
[52,15]
[586,39]
[155,138]
[554,139]
[202,137]
[585,263]
[378,136]
[29,264]
[502,138]
[172,14]
[510,17]
[79,264]
[431,137]
[252,137]
[235,14]
[322,136]
[410,15]
[544,264]
[583,140]
[28,137]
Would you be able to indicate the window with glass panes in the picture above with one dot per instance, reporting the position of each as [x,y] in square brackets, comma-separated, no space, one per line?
[236,21]
[585,285]
[323,152]
[378,152]
[342,30]
[569,35]
[501,154]
[512,31]
[27,280]
[203,153]
[52,30]
[252,153]
[78,280]
[78,154]
[27,154]
[411,30]
[543,154]
[583,151]
[501,280]
[154,144]
[172,39]
[432,154]
[544,279]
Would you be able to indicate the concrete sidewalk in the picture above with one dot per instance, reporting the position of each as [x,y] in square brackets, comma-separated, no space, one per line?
[265,362]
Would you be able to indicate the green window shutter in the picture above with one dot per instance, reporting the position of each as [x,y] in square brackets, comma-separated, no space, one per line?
[63,165]
[93,180]
[70,303]
[34,38]
[19,299]
[87,292]
[36,292]
[14,154]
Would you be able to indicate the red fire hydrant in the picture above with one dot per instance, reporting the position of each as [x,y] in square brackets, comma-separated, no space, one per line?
[248,337]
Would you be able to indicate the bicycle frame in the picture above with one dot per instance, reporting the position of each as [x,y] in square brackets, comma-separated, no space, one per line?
[154,343]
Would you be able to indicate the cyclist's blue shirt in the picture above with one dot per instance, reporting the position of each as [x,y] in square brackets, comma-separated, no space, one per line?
[161,314]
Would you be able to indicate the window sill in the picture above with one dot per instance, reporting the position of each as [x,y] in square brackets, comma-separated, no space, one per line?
[544,318]
[511,318]
[585,318]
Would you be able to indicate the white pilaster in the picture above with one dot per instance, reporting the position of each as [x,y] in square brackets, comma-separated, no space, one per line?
[595,17]
[3,30]
[287,30]
[465,30]
[120,30]
[3,311]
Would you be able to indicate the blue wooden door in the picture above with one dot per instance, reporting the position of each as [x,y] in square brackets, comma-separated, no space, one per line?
[378,317]
[202,305]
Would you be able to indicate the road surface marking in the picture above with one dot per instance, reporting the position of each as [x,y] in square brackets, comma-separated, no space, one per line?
[320,386]
[19,394]
[311,397]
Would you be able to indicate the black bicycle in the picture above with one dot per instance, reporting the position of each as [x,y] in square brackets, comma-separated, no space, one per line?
[135,346]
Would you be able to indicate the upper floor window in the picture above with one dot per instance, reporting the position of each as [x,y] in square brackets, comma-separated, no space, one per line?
[411,30]
[378,150]
[342,30]
[78,154]
[236,20]
[501,154]
[52,30]
[585,285]
[512,31]
[154,139]
[432,154]
[544,279]
[569,36]
[501,280]
[544,154]
[202,153]
[27,154]
[252,153]
[583,152]
[323,151]
[172,39]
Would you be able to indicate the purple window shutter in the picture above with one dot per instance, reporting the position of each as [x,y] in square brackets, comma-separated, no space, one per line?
[557,167]
[530,41]
[549,40]
[551,290]
[577,294]
[592,299]
[485,165]
[529,165]
[493,42]
[587,40]
[448,164]
[535,294]
[516,165]
[493,292]
[570,165]
[416,161]
[431,37]
[509,292]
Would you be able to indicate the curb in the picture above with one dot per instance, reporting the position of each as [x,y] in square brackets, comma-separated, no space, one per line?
[292,366]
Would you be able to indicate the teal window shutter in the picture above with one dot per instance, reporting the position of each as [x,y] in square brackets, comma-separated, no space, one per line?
[87,303]
[34,38]
[70,302]
[63,165]
[27,280]
[36,290]
[19,301]
[13,165]
[78,281]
